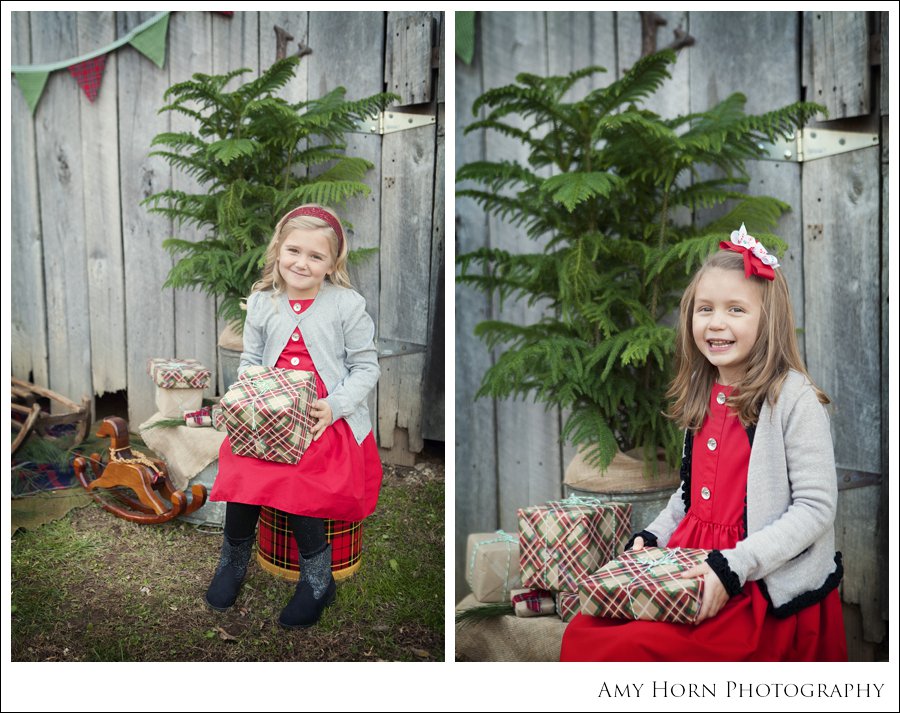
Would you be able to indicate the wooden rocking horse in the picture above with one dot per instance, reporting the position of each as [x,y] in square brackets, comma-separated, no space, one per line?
[146,477]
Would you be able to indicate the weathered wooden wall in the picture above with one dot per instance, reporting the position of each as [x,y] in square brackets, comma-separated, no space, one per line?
[88,306]
[508,454]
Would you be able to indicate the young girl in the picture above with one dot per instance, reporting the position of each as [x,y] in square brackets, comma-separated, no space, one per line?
[758,483]
[303,314]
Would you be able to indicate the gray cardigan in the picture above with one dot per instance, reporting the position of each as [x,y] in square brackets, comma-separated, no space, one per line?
[339,335]
[791,505]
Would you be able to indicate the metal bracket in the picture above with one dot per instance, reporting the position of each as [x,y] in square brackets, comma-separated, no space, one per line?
[395,347]
[848,479]
[387,122]
[810,144]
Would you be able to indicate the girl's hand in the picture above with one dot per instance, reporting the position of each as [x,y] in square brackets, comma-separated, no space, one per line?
[638,544]
[321,411]
[714,594]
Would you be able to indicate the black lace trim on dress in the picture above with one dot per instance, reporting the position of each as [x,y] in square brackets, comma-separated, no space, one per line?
[813,596]
[718,564]
[649,540]
[686,457]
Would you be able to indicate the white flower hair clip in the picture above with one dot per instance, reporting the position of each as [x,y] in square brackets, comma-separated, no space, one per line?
[757,260]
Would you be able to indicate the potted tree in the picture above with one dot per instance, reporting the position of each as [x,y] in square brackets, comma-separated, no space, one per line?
[255,155]
[614,260]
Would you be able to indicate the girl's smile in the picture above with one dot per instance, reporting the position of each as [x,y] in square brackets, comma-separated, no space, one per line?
[304,260]
[725,322]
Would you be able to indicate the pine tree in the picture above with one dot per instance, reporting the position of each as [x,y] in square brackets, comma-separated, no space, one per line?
[256,156]
[615,263]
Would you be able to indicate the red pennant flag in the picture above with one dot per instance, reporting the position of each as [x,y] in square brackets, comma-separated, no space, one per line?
[88,75]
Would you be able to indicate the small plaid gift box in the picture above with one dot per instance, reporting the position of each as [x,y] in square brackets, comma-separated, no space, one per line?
[179,385]
[567,605]
[564,540]
[178,373]
[532,602]
[493,565]
[647,585]
[266,413]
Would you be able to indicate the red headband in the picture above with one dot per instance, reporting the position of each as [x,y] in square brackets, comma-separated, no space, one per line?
[757,260]
[321,215]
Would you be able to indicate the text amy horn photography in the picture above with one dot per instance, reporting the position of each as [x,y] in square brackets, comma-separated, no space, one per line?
[735,689]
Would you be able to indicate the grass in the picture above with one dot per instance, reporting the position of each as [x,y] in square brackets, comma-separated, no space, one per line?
[93,587]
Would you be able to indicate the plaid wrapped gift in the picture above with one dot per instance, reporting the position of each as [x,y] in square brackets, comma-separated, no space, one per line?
[567,605]
[178,373]
[179,385]
[266,413]
[493,559]
[532,602]
[564,540]
[646,585]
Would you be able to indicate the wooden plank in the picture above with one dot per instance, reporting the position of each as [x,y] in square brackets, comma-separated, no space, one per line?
[840,54]
[527,434]
[433,386]
[28,309]
[359,71]
[407,177]
[407,69]
[150,309]
[726,59]
[855,535]
[60,158]
[442,22]
[475,423]
[882,542]
[235,44]
[841,213]
[102,217]
[190,51]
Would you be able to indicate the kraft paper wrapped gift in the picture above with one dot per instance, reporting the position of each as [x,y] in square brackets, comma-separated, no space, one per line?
[492,565]
[179,384]
[568,605]
[646,585]
[532,602]
[564,540]
[266,413]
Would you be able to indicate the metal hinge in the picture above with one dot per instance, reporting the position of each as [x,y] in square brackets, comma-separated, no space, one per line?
[396,347]
[387,122]
[810,144]
[848,479]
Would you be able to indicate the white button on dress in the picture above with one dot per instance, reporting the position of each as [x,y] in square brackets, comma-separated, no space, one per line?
[721,397]
[297,307]
[704,493]
[295,337]
[711,444]
[294,361]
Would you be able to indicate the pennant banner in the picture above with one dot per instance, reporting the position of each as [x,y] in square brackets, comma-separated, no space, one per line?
[152,42]
[88,75]
[149,38]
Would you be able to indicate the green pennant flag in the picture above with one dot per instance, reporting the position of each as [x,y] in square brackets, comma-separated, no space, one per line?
[465,36]
[32,85]
[152,41]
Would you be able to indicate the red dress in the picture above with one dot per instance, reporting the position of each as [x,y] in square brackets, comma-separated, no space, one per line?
[743,630]
[336,478]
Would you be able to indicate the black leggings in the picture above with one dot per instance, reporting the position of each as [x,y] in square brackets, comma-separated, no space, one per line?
[240,523]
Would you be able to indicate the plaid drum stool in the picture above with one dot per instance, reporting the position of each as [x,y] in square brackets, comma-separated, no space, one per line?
[277,549]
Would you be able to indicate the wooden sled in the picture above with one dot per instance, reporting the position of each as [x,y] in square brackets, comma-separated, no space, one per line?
[147,478]
[24,401]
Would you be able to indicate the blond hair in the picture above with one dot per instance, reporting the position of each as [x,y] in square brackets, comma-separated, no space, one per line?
[773,355]
[271,277]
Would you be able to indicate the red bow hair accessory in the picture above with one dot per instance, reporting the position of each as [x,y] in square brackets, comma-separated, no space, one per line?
[757,260]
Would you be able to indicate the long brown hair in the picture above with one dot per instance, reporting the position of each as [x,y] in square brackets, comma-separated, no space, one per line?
[271,278]
[773,355]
